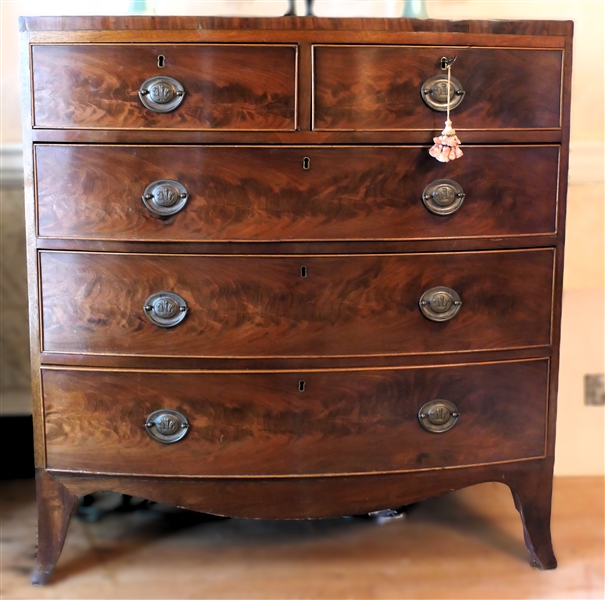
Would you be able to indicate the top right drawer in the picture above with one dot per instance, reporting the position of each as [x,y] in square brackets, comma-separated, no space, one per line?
[379,88]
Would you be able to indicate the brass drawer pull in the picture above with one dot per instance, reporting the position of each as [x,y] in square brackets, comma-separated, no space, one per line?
[434,92]
[165,309]
[166,426]
[438,416]
[443,197]
[161,94]
[165,197]
[440,303]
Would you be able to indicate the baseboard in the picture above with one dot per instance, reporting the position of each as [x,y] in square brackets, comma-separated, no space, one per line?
[18,453]
[586,164]
[15,403]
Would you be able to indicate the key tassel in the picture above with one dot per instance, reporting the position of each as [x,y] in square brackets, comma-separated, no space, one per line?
[447,145]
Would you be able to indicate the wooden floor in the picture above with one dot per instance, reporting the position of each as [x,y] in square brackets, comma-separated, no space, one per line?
[465,545]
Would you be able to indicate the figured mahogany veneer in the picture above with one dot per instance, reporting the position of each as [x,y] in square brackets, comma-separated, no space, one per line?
[259,424]
[377,88]
[263,194]
[241,87]
[261,306]
[302,252]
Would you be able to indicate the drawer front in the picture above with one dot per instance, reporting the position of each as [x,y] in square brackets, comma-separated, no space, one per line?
[378,88]
[275,306]
[226,87]
[261,424]
[350,193]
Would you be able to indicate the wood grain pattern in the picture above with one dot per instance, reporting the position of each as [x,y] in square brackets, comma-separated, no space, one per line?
[261,306]
[332,25]
[378,87]
[312,497]
[261,424]
[533,501]
[405,137]
[32,254]
[263,194]
[287,364]
[255,312]
[321,496]
[55,507]
[305,248]
[560,249]
[240,87]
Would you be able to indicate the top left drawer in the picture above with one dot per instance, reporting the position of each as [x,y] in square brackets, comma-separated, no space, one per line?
[216,87]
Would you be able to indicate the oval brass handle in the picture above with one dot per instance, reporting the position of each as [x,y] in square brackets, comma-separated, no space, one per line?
[434,92]
[443,197]
[165,309]
[440,303]
[166,426]
[161,94]
[438,416]
[165,197]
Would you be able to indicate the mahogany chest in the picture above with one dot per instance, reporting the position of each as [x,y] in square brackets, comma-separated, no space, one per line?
[253,292]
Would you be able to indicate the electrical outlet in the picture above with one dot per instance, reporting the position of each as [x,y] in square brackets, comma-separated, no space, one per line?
[594,392]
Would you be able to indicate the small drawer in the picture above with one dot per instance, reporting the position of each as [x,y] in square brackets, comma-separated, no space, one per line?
[255,424]
[199,87]
[295,306]
[293,194]
[378,88]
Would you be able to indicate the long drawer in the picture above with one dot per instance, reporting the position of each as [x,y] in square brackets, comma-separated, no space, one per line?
[303,193]
[378,88]
[263,424]
[239,87]
[282,306]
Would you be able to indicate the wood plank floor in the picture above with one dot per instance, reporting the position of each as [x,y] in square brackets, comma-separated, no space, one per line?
[467,544]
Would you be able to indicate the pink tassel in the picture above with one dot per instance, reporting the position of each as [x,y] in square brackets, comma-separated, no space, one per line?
[447,145]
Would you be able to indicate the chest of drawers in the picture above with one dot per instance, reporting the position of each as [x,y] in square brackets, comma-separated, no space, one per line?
[253,292]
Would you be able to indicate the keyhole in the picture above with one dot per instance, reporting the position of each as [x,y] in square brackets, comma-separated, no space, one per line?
[301,386]
[306,163]
[303,272]
[446,63]
[161,61]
